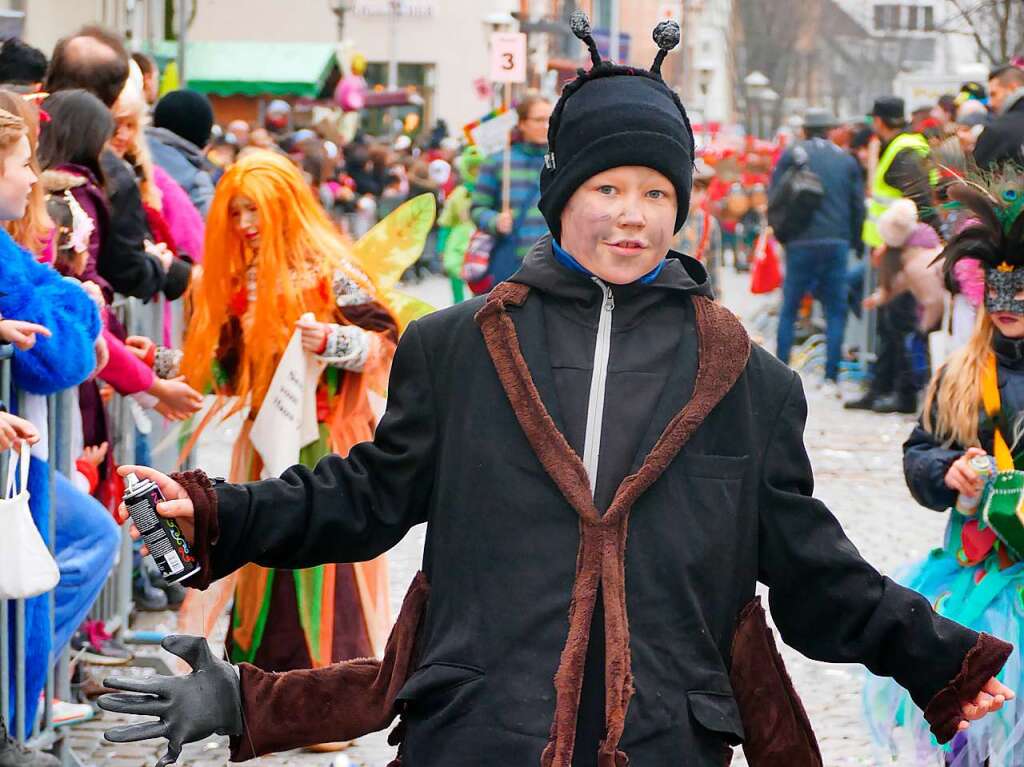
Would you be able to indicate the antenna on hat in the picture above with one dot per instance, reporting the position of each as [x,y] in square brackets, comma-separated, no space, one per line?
[581,28]
[666,37]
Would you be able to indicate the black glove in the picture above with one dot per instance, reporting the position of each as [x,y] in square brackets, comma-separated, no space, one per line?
[208,701]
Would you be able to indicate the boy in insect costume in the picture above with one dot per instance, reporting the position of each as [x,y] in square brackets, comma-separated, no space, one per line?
[606,468]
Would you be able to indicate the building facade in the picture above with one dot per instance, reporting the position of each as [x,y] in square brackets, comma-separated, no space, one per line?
[439,46]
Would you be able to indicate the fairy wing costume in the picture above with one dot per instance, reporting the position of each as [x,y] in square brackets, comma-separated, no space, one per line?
[313,617]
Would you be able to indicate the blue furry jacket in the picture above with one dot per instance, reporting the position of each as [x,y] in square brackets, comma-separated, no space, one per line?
[34,292]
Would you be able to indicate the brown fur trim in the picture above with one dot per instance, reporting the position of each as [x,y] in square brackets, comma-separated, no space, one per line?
[944,711]
[342,701]
[54,181]
[777,732]
[556,455]
[207,531]
[723,349]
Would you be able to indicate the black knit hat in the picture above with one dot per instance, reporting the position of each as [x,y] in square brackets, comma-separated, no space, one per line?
[612,116]
[187,114]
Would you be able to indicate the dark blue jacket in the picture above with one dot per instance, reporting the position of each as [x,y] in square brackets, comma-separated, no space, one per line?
[185,163]
[841,213]
[926,459]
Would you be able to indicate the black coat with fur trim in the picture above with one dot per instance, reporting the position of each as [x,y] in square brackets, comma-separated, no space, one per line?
[719,497]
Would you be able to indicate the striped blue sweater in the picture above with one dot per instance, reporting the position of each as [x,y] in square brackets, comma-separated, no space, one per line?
[527,162]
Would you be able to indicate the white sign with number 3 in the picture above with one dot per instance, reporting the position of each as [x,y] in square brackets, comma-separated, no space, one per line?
[508,57]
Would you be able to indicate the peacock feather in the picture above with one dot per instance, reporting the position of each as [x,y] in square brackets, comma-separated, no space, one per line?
[993,203]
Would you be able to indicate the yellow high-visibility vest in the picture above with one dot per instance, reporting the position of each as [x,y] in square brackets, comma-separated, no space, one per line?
[883,195]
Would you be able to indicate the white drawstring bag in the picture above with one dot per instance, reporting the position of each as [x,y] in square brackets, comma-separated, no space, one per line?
[27,568]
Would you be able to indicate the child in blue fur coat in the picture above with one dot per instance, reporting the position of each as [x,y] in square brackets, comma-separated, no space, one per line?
[44,364]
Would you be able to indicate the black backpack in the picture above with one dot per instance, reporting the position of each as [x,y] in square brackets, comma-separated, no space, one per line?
[795,198]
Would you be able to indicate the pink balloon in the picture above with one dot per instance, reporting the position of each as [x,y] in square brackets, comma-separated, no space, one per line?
[351,93]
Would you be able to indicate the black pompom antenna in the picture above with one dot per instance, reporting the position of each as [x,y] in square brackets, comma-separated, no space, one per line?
[581,28]
[666,37]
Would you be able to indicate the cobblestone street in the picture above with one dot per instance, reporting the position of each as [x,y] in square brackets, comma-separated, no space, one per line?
[857,462]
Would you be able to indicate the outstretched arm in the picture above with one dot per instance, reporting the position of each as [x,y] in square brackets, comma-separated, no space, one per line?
[833,606]
[337,702]
[345,510]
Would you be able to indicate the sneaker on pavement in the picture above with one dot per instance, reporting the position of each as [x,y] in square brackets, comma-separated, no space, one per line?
[92,644]
[867,402]
[175,592]
[13,754]
[896,403]
[66,714]
[148,598]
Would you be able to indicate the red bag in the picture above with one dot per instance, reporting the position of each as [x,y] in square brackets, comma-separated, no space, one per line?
[765,270]
[476,262]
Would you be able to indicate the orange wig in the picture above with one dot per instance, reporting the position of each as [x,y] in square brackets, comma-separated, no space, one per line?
[300,253]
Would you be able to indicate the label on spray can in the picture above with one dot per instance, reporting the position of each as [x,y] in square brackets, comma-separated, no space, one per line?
[163,537]
[985,467]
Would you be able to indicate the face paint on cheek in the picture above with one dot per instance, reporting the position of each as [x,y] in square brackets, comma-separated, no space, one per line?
[1001,289]
[659,239]
[591,221]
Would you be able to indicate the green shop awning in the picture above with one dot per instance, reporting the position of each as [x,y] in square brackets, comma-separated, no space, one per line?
[233,68]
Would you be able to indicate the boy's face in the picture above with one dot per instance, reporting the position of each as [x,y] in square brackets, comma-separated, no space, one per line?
[620,223]
[17,181]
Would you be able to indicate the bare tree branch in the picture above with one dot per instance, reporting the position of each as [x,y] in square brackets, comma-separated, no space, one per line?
[968,17]
[1004,31]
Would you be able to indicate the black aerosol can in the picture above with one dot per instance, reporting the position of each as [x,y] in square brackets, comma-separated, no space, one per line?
[166,543]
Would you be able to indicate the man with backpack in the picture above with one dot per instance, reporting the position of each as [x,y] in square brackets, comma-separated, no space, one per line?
[818,231]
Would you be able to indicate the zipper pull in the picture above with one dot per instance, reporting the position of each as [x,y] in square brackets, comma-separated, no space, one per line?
[609,302]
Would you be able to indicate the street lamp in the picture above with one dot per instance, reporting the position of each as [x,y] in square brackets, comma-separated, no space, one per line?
[756,84]
[339,8]
[768,98]
[756,80]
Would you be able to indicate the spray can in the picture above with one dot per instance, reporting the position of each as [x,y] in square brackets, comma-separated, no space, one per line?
[985,467]
[166,543]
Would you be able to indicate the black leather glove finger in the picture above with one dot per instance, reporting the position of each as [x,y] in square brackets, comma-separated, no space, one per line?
[173,752]
[195,651]
[135,732]
[154,685]
[130,703]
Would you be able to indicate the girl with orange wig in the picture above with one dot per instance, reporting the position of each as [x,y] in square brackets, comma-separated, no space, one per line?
[273,256]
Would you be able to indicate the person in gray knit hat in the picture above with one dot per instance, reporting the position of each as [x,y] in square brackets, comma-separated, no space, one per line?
[600,391]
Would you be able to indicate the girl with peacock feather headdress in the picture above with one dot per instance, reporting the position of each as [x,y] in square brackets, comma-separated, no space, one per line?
[973,423]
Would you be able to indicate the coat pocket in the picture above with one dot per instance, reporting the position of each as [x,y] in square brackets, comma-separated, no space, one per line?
[436,678]
[714,466]
[718,714]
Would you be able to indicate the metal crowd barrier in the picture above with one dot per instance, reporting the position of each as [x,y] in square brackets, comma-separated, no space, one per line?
[12,613]
[114,604]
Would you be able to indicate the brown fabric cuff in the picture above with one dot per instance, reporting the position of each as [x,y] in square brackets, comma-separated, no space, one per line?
[343,701]
[982,662]
[207,530]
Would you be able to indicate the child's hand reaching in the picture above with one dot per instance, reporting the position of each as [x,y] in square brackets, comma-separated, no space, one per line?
[13,430]
[95,454]
[21,334]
